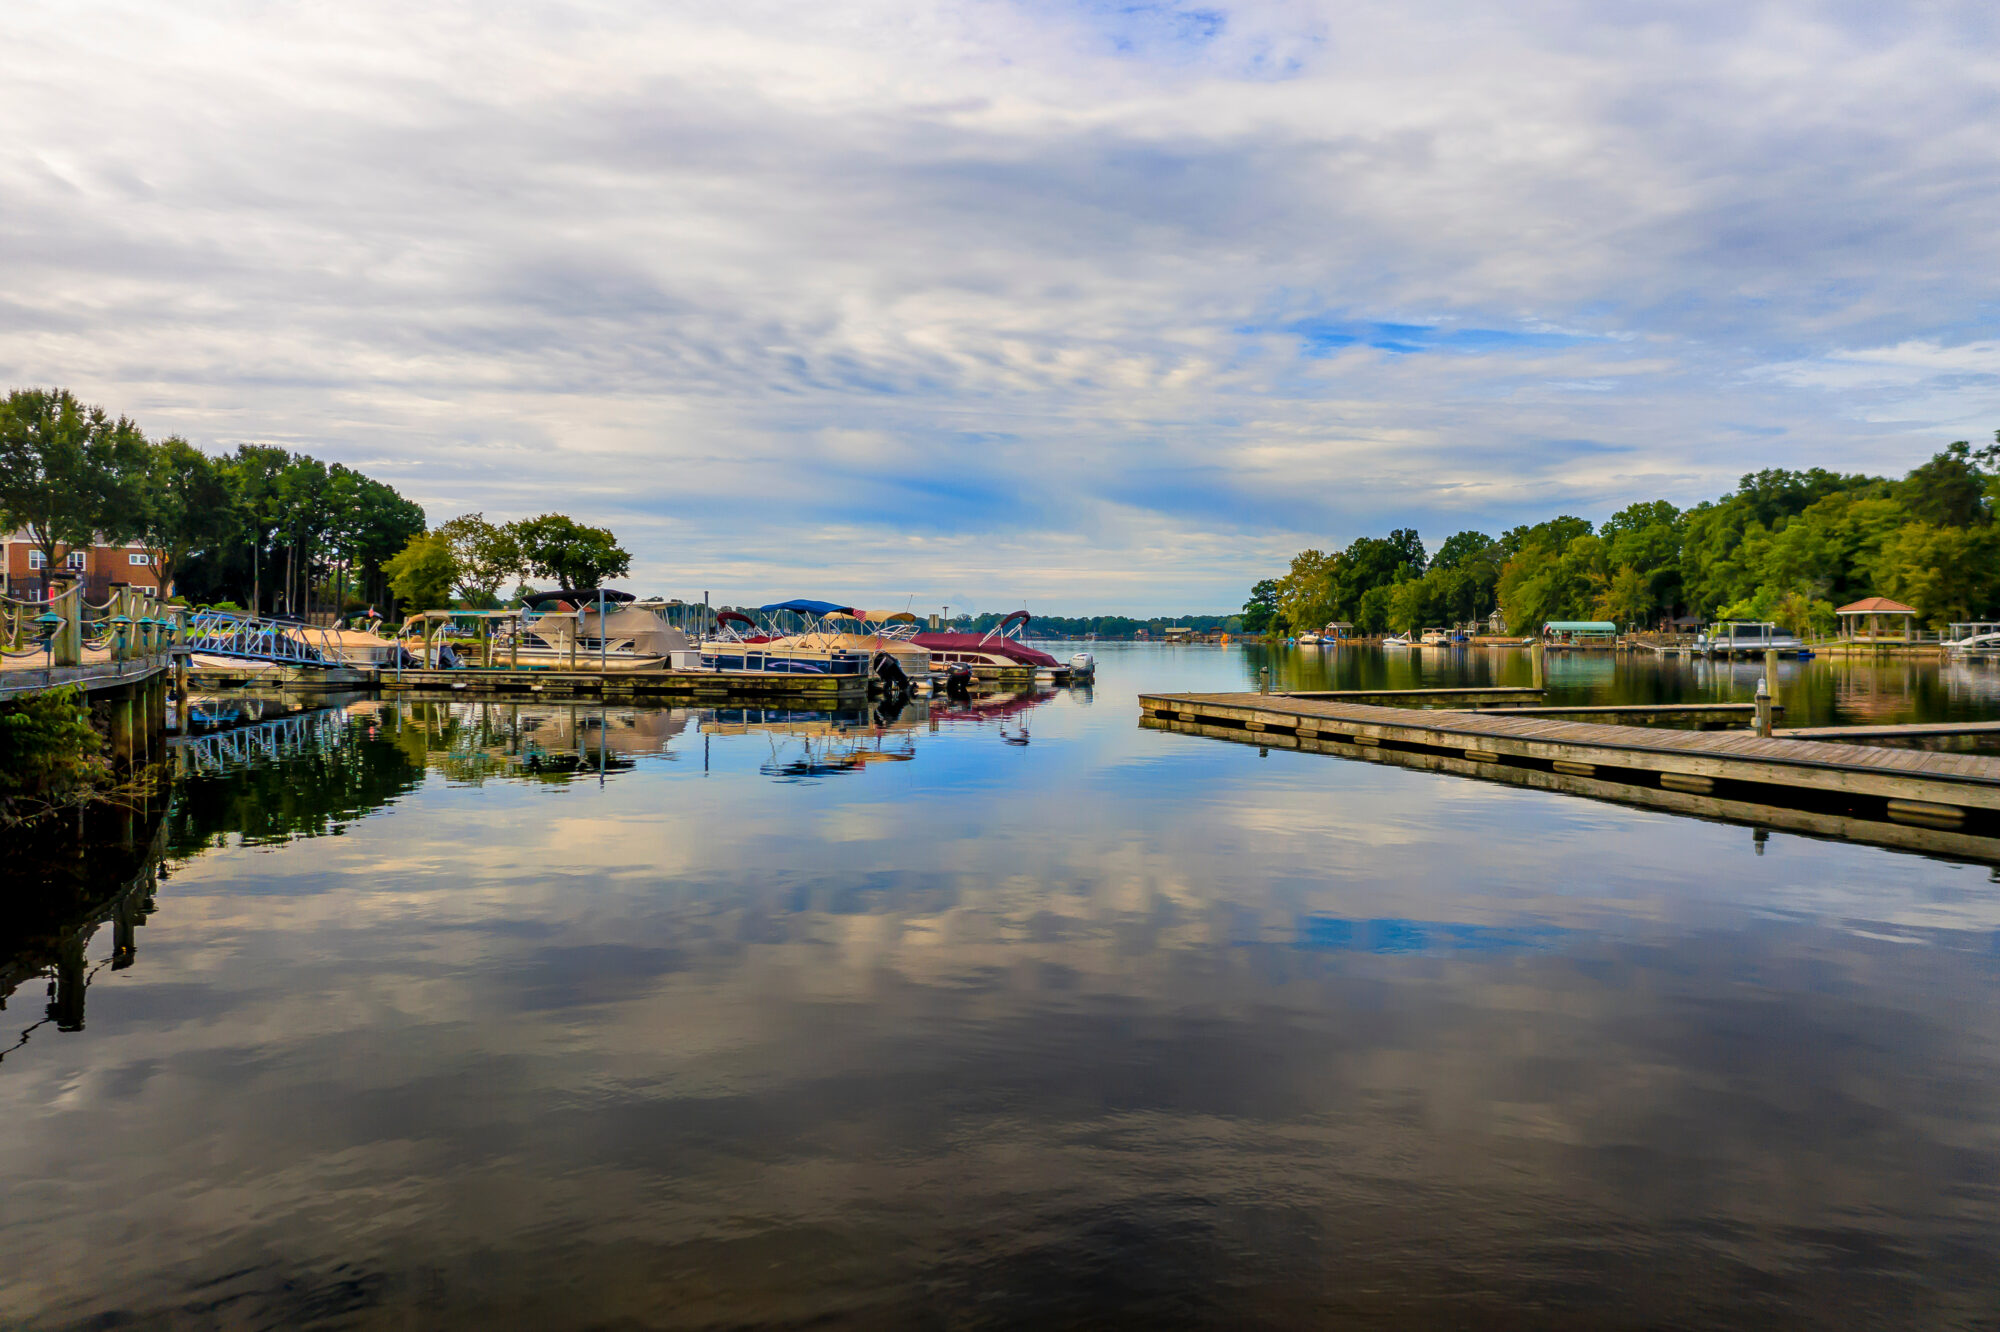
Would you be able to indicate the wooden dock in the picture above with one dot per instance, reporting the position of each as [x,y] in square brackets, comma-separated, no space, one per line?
[1957,793]
[21,676]
[1899,731]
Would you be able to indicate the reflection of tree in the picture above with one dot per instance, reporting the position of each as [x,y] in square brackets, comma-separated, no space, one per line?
[315,791]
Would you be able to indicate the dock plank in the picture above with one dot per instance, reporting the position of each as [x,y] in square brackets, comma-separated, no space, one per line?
[1971,779]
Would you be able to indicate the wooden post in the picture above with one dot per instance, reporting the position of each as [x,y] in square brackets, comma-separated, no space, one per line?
[1536,665]
[121,728]
[514,641]
[1763,710]
[1263,679]
[68,644]
[1771,673]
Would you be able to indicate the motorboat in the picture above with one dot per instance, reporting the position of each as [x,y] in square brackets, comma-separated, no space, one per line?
[994,652]
[836,640]
[1309,640]
[591,629]
[1437,638]
[1729,637]
[1396,641]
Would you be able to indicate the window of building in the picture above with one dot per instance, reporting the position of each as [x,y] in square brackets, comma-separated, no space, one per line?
[75,559]
[139,557]
[36,560]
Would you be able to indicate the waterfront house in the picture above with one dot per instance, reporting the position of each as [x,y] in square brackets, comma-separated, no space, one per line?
[101,566]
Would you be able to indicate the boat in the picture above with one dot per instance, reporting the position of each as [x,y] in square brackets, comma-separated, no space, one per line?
[1729,637]
[994,652]
[836,640]
[590,629]
[1437,638]
[1396,641]
[1309,640]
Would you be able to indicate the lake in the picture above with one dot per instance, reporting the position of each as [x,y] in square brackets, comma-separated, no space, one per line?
[440,1015]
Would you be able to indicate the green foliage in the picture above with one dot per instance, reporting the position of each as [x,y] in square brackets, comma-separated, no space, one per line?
[183,504]
[50,756]
[1784,546]
[575,556]
[1261,610]
[484,556]
[422,573]
[68,471]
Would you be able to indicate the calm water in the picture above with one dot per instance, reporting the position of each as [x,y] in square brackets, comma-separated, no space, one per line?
[463,1016]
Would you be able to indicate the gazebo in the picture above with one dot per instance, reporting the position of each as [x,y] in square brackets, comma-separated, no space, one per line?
[1864,620]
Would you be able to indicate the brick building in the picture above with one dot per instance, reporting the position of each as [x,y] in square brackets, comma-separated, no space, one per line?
[101,567]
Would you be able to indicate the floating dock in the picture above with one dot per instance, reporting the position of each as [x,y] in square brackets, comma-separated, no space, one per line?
[1942,801]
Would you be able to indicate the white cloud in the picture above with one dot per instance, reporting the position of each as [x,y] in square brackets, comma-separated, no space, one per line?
[773,289]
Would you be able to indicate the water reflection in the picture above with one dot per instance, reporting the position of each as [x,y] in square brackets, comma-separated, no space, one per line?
[1824,691]
[64,881]
[1119,1026]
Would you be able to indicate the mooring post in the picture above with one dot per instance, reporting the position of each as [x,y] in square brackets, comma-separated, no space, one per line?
[1771,673]
[68,645]
[1263,679]
[1763,710]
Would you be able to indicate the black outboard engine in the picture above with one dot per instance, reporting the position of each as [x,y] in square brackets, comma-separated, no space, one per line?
[958,680]
[889,678]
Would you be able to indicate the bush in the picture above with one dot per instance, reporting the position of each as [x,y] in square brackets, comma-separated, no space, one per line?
[50,755]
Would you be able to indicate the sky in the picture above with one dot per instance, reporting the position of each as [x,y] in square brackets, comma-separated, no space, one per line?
[1089,307]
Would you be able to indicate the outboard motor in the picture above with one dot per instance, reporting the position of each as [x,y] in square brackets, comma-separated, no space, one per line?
[889,677]
[958,680]
[1083,666]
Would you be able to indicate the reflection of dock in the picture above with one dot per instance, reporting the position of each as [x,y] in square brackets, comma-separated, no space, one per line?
[47,931]
[1959,793]
[635,686]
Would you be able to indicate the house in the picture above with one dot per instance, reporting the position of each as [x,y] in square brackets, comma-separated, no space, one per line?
[101,566]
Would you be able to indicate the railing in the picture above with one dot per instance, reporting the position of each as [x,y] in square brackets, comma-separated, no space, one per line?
[259,742]
[248,637]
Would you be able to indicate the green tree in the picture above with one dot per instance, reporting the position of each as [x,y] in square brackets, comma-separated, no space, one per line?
[68,472]
[486,555]
[575,556]
[1946,572]
[422,573]
[1627,598]
[184,505]
[1950,490]
[1305,598]
[1261,608]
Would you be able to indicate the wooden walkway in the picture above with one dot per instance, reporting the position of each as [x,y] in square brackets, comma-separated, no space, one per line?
[21,676]
[1944,784]
[1904,730]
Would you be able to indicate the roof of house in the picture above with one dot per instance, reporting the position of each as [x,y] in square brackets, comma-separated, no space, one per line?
[1876,606]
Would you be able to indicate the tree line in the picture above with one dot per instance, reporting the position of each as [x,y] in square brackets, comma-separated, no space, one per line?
[1785,546]
[277,532]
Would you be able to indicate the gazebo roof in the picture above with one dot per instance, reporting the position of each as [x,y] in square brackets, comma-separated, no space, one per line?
[1876,606]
